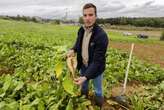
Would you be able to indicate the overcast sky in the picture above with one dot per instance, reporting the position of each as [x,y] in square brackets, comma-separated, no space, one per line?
[73,8]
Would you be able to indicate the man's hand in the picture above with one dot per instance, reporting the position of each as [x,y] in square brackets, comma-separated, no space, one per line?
[70,53]
[80,80]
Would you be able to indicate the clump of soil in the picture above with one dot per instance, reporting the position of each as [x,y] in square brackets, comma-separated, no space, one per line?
[6,70]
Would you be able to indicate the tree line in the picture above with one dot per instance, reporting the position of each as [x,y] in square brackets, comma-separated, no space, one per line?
[139,22]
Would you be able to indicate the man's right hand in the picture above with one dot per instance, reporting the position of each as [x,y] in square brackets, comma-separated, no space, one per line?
[70,53]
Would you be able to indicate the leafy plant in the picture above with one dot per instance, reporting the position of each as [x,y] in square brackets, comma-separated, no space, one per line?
[162,36]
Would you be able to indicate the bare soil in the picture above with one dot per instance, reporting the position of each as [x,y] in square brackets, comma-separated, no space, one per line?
[152,53]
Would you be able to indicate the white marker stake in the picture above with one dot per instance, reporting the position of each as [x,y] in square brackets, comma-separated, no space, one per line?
[127,69]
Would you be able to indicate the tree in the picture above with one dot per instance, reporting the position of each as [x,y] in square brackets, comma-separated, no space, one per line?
[81,20]
[162,36]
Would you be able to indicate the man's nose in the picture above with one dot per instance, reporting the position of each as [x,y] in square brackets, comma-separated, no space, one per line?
[87,17]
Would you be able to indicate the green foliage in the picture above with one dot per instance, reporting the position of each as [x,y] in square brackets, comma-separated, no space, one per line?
[162,36]
[137,103]
[81,20]
[150,99]
[141,22]
[40,79]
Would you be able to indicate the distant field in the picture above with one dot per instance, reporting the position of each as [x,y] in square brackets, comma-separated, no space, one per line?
[151,33]
[117,35]
[131,28]
[150,50]
[37,33]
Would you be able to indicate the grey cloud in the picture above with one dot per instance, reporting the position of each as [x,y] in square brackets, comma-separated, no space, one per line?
[111,7]
[147,10]
[149,3]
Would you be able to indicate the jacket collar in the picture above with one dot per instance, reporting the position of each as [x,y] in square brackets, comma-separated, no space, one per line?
[94,26]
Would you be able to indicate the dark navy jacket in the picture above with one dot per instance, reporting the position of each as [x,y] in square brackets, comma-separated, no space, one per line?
[97,49]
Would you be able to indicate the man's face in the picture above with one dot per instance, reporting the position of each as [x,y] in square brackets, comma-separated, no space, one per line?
[89,17]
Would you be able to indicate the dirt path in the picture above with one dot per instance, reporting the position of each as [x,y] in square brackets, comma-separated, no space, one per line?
[152,53]
[132,88]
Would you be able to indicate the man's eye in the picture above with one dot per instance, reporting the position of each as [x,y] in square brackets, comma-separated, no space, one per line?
[90,14]
[84,15]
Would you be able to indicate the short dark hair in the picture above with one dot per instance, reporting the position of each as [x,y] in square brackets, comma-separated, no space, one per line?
[90,5]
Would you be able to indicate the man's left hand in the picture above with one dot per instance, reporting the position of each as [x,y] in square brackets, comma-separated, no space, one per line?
[80,80]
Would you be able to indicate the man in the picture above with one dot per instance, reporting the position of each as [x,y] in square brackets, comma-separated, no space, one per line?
[90,46]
